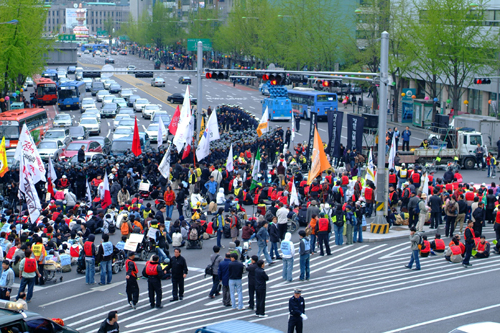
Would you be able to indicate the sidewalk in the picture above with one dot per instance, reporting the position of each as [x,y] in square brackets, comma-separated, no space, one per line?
[396,232]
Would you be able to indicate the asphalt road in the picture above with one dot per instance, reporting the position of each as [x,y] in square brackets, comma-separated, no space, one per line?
[360,288]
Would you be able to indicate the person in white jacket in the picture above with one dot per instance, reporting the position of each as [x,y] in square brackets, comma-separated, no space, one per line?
[287,253]
[221,197]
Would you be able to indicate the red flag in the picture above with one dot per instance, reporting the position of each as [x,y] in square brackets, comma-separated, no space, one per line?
[172,128]
[187,150]
[106,198]
[51,177]
[136,142]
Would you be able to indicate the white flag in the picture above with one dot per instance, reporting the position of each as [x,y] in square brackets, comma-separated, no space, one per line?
[392,153]
[293,131]
[425,186]
[294,198]
[211,134]
[370,168]
[161,130]
[27,188]
[264,123]
[229,162]
[26,151]
[183,127]
[164,166]
[89,194]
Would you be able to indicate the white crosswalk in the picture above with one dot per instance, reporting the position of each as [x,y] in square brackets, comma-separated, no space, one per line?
[350,274]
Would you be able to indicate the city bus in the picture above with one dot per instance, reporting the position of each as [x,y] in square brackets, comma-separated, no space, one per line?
[11,123]
[50,73]
[70,95]
[305,100]
[94,47]
[45,91]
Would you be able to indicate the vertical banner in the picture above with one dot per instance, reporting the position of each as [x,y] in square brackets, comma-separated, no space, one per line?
[310,142]
[355,132]
[335,119]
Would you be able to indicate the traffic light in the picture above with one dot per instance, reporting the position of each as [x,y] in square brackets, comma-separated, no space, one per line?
[208,75]
[216,75]
[326,83]
[482,81]
[265,77]
[275,79]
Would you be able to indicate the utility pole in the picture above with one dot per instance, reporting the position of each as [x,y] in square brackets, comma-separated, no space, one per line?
[381,194]
[199,104]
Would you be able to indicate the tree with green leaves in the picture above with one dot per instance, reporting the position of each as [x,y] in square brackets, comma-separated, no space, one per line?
[22,48]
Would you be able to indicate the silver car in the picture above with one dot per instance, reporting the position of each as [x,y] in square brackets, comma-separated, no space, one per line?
[61,134]
[126,93]
[148,110]
[119,117]
[100,95]
[94,112]
[88,103]
[152,131]
[50,148]
[62,120]
[122,132]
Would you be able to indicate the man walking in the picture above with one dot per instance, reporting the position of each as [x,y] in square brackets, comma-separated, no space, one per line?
[435,204]
[469,236]
[297,310]
[105,257]
[260,287]
[414,240]
[89,250]
[215,260]
[262,240]
[132,287]
[323,229]
[179,269]
[282,215]
[153,272]
[288,251]
[224,278]
[28,269]
[251,282]
[235,283]
[211,187]
[304,253]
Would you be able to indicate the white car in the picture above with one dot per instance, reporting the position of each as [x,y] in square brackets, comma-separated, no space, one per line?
[152,131]
[126,93]
[149,109]
[29,82]
[94,112]
[86,52]
[62,120]
[120,101]
[130,123]
[481,327]
[158,82]
[131,67]
[61,134]
[139,103]
[108,99]
[122,132]
[103,55]
[50,148]
[100,95]
[91,125]
[97,52]
[119,117]
[108,83]
[88,103]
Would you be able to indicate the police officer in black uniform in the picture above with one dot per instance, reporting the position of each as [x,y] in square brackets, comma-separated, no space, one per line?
[154,272]
[132,287]
[297,309]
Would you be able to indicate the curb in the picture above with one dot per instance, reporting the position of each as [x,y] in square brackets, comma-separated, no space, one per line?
[373,240]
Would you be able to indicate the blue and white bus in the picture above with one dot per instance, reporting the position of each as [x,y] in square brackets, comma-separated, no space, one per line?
[94,47]
[306,100]
[50,73]
[70,95]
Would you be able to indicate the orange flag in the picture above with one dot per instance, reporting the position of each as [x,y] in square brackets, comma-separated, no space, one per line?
[319,161]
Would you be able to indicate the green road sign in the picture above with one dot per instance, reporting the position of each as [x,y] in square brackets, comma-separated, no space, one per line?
[67,37]
[192,44]
[102,32]
[124,38]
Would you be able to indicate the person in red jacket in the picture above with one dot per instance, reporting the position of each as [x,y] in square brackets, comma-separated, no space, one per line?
[438,245]
[424,252]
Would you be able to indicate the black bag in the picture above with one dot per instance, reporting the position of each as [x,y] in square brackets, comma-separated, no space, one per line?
[421,243]
[226,231]
[209,270]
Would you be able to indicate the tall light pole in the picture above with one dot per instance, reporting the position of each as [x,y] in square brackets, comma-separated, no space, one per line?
[199,103]
[381,194]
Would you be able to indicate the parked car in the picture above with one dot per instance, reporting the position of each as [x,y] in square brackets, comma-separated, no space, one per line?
[109,110]
[71,150]
[29,82]
[62,120]
[50,148]
[139,103]
[78,133]
[158,82]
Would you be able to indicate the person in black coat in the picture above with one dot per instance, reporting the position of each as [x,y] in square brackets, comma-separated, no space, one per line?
[251,281]
[179,270]
[260,288]
[81,154]
[297,310]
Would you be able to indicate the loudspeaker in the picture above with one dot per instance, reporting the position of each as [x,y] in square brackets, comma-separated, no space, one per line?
[441,120]
[371,120]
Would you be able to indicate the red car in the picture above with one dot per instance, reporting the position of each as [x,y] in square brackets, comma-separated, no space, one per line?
[72,149]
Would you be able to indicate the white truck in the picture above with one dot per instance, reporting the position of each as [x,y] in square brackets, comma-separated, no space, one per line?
[489,127]
[460,144]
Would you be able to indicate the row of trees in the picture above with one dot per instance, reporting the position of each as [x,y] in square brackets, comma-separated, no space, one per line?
[22,48]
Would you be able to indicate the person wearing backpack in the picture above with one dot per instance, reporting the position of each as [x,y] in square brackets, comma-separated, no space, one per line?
[233,225]
[219,226]
[126,227]
[415,239]
[451,211]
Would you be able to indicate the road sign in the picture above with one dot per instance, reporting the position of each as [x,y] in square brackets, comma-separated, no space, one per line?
[67,37]
[192,44]
[102,33]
